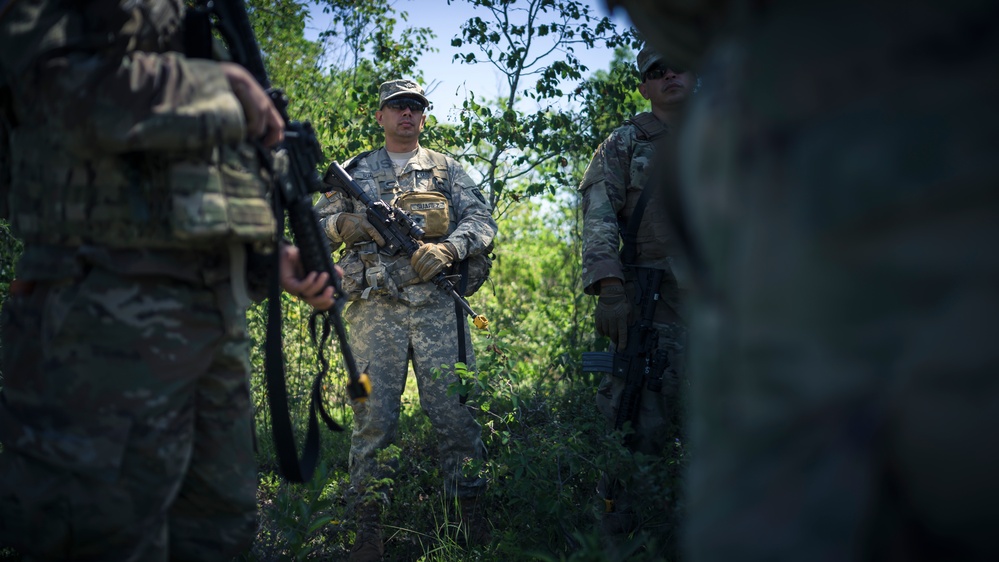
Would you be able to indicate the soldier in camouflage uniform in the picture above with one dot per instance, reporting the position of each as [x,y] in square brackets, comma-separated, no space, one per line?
[612,190]
[840,177]
[397,315]
[125,415]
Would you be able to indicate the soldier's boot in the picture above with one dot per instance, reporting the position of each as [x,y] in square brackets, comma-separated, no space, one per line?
[369,545]
[474,524]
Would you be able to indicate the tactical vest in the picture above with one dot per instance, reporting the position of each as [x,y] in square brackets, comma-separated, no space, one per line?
[367,269]
[389,190]
[136,200]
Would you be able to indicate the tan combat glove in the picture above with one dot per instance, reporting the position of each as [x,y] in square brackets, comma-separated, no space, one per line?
[354,227]
[431,259]
[611,314]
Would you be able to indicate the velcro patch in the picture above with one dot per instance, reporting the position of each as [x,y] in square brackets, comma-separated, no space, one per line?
[429,206]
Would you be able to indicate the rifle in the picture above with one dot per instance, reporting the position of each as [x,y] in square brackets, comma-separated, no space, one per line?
[293,191]
[641,363]
[400,231]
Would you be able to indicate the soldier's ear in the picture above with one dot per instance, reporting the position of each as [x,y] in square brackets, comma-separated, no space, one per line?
[697,85]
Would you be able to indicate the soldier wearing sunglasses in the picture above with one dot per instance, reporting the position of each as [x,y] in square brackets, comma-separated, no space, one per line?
[620,213]
[398,315]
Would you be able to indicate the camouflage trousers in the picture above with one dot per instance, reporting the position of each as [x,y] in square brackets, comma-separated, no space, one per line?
[126,421]
[386,335]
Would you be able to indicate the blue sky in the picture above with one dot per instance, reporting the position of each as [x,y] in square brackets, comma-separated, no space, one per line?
[447,81]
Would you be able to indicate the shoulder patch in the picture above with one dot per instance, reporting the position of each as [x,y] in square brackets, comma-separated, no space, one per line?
[475,191]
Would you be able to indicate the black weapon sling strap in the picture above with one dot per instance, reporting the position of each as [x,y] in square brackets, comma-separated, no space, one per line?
[461,325]
[197,39]
[294,469]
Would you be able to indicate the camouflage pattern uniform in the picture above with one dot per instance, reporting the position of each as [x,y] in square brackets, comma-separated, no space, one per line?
[611,188]
[841,178]
[125,415]
[395,318]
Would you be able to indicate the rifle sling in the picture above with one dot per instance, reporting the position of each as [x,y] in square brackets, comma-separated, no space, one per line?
[459,314]
[293,469]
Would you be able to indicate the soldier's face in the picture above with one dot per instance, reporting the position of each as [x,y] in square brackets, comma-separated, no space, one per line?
[401,122]
[666,87]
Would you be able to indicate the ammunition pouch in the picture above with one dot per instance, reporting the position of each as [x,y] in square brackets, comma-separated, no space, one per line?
[367,272]
[430,210]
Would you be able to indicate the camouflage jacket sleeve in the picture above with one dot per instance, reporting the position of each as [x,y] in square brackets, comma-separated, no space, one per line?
[332,203]
[476,227]
[329,206]
[604,189]
[140,97]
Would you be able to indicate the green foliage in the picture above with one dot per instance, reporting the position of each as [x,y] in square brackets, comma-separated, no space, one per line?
[547,443]
[609,97]
[297,522]
[533,44]
[333,81]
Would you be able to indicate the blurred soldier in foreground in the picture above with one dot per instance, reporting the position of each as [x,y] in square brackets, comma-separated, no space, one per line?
[398,315]
[125,415]
[839,176]
[628,262]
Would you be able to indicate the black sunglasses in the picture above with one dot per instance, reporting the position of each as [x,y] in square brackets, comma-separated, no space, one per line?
[405,103]
[660,71]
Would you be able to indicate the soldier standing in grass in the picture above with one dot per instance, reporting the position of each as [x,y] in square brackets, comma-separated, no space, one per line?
[398,316]
[625,236]
[125,416]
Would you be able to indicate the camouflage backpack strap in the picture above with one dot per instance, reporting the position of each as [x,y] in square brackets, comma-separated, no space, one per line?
[649,127]
[351,163]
